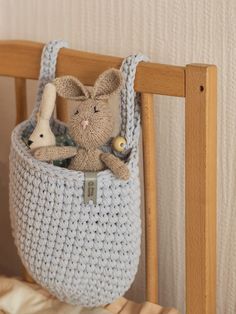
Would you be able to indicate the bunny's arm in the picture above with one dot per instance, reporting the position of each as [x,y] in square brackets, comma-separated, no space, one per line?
[48,153]
[116,166]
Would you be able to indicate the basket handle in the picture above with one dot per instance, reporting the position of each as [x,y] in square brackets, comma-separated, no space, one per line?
[47,71]
[130,101]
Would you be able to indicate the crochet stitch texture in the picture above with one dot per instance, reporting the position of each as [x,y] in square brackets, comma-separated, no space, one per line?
[83,254]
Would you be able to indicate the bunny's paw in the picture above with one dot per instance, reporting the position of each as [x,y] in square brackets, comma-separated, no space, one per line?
[40,153]
[123,172]
[116,166]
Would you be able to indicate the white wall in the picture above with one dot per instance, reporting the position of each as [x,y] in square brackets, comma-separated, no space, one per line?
[175,32]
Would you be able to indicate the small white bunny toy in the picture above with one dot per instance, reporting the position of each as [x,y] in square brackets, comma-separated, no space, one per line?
[42,134]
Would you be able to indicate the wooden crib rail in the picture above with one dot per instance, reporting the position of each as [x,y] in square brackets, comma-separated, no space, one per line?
[22,59]
[197,83]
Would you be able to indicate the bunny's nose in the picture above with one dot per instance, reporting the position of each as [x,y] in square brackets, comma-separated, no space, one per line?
[84,124]
[30,142]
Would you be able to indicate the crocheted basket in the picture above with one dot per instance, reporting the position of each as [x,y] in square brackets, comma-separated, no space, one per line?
[82,253]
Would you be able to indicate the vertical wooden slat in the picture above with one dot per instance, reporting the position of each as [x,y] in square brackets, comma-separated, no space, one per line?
[21,102]
[149,169]
[200,159]
[62,109]
[21,115]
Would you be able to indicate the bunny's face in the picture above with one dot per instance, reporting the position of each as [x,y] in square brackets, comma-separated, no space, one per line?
[92,123]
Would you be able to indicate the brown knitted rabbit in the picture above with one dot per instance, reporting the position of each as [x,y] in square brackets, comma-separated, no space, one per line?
[90,127]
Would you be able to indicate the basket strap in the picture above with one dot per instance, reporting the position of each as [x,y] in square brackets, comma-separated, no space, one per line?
[130,101]
[47,71]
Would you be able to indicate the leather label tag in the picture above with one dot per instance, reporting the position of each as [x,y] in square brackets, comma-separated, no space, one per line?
[90,187]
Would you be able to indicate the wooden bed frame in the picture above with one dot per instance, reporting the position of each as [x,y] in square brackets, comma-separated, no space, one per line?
[195,82]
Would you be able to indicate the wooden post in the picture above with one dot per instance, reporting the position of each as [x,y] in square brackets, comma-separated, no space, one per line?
[21,103]
[149,169]
[200,190]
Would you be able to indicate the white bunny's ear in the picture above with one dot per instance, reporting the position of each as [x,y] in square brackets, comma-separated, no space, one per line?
[71,88]
[107,84]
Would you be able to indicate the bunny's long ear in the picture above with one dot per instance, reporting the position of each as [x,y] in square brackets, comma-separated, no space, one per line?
[71,88]
[107,84]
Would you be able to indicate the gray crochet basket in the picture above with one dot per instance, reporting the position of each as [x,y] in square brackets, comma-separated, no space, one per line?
[82,253]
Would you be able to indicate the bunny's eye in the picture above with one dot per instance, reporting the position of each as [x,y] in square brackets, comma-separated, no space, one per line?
[41,135]
[95,109]
[77,111]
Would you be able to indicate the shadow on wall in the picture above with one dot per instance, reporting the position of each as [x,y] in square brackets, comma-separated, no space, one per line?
[11,265]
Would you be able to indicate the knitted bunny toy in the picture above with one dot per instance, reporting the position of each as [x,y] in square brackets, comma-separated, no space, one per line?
[90,127]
